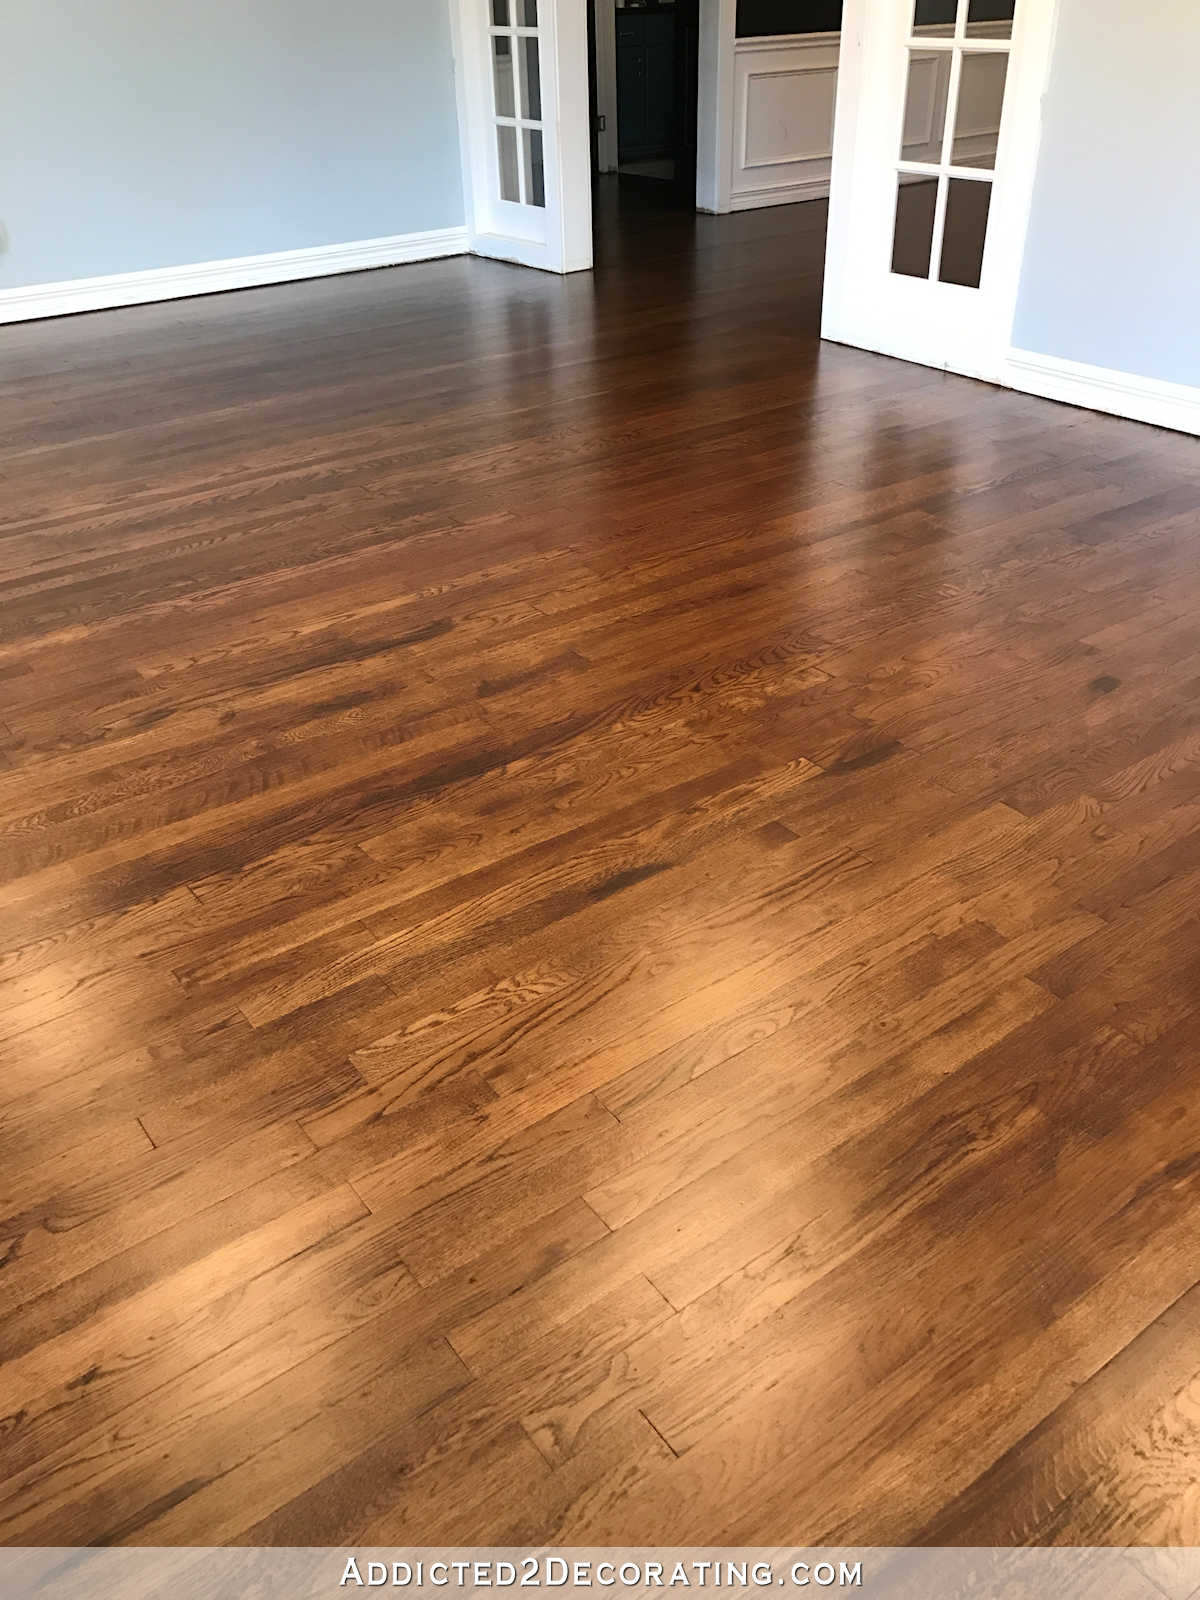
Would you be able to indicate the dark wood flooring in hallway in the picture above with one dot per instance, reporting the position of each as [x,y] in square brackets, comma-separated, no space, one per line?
[599,908]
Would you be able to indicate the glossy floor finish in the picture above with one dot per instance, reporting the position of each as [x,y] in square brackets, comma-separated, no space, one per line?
[600,923]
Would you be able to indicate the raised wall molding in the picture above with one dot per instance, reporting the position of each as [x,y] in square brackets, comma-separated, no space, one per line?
[215,277]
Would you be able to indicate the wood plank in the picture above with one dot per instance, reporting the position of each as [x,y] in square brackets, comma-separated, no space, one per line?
[597,922]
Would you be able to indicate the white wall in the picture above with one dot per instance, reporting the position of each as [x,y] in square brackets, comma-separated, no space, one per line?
[148,134]
[1111,275]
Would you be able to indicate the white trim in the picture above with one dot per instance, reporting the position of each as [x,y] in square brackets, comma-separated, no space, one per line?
[786,194]
[789,158]
[216,277]
[1166,405]
[714,105]
[768,42]
[569,153]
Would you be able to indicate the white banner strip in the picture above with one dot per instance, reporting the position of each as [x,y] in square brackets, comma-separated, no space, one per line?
[883,1574]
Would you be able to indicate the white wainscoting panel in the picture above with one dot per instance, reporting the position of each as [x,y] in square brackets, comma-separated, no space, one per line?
[784,91]
[214,277]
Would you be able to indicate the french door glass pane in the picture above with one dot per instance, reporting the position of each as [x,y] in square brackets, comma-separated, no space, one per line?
[912,241]
[531,78]
[527,13]
[502,67]
[510,183]
[925,105]
[500,13]
[936,17]
[980,104]
[535,171]
[992,17]
[967,205]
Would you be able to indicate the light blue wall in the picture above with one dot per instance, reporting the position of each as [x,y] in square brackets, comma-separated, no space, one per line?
[152,133]
[1112,262]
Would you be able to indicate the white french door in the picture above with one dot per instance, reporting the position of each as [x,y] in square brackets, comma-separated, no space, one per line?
[938,118]
[523,116]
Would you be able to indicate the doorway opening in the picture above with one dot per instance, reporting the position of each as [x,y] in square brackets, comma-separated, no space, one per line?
[705,105]
[643,75]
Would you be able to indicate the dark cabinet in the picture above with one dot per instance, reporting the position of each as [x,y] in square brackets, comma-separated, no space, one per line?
[645,83]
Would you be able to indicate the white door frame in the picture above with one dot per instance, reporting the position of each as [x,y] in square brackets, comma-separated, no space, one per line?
[714,109]
[962,330]
[556,236]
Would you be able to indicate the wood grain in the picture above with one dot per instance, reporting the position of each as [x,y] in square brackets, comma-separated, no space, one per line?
[598,923]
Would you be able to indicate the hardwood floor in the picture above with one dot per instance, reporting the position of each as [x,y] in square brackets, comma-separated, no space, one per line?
[599,908]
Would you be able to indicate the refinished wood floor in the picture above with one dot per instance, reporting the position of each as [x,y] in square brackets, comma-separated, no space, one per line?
[600,924]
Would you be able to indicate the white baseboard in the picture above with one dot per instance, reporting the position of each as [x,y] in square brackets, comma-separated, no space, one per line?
[214,277]
[1166,405]
[780,194]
